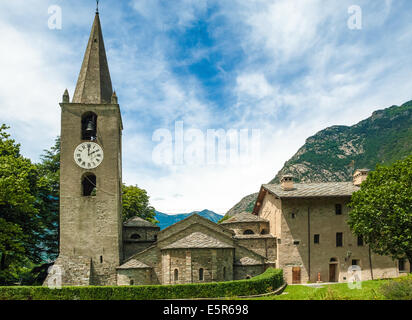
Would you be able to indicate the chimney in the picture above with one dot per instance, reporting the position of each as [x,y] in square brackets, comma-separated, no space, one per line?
[286,182]
[359,176]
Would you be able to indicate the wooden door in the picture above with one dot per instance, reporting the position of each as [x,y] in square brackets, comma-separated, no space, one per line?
[332,273]
[295,275]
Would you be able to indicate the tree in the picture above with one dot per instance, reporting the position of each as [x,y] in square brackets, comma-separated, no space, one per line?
[382,210]
[20,224]
[48,200]
[136,203]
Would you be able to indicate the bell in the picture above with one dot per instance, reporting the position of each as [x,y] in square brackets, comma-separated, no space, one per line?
[90,127]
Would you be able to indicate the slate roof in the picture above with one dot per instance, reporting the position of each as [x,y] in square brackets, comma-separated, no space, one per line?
[307,190]
[133,264]
[197,240]
[138,222]
[244,217]
[94,84]
[254,236]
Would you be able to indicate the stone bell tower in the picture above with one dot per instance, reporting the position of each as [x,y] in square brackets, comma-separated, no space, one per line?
[91,174]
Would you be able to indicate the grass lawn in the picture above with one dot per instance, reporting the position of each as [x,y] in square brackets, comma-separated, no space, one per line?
[340,291]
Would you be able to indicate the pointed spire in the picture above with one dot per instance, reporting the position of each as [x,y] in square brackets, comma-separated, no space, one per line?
[114,98]
[94,84]
[66,97]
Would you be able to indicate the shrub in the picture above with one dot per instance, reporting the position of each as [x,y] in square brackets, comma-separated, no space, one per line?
[398,289]
[271,278]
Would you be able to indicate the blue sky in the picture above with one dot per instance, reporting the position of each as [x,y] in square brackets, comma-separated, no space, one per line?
[288,68]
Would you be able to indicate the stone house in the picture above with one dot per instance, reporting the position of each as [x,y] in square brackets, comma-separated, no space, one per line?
[314,241]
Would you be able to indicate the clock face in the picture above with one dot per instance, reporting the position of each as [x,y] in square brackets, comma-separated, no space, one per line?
[88,155]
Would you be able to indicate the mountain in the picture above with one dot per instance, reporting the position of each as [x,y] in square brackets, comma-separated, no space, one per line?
[335,152]
[166,220]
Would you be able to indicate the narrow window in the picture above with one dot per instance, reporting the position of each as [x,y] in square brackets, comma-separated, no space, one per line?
[248,231]
[355,262]
[316,238]
[89,185]
[401,265]
[293,215]
[360,241]
[155,237]
[338,209]
[224,273]
[101,259]
[201,274]
[131,282]
[339,239]
[176,274]
[296,242]
[89,126]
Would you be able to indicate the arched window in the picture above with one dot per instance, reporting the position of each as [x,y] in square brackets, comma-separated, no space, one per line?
[89,126]
[264,231]
[135,236]
[201,274]
[89,185]
[248,231]
[176,274]
[248,277]
[131,282]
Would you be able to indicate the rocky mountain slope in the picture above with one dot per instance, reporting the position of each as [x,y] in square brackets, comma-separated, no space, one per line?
[333,153]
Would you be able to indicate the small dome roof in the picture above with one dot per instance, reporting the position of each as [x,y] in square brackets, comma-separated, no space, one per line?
[139,222]
[244,217]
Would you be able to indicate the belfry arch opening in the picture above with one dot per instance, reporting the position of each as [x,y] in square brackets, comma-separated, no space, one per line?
[89,185]
[89,126]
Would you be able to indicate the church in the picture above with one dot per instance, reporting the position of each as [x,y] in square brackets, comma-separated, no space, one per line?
[300,228]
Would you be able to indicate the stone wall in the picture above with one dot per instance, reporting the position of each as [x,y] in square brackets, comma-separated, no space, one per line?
[296,223]
[247,271]
[126,277]
[68,271]
[217,265]
[263,245]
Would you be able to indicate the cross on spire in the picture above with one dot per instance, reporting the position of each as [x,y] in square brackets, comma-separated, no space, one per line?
[97,6]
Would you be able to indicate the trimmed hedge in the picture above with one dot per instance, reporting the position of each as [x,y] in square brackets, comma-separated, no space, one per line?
[267,282]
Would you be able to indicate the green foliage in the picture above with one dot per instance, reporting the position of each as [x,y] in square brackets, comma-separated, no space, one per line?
[224,218]
[48,200]
[271,278]
[398,289]
[20,223]
[382,210]
[136,203]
